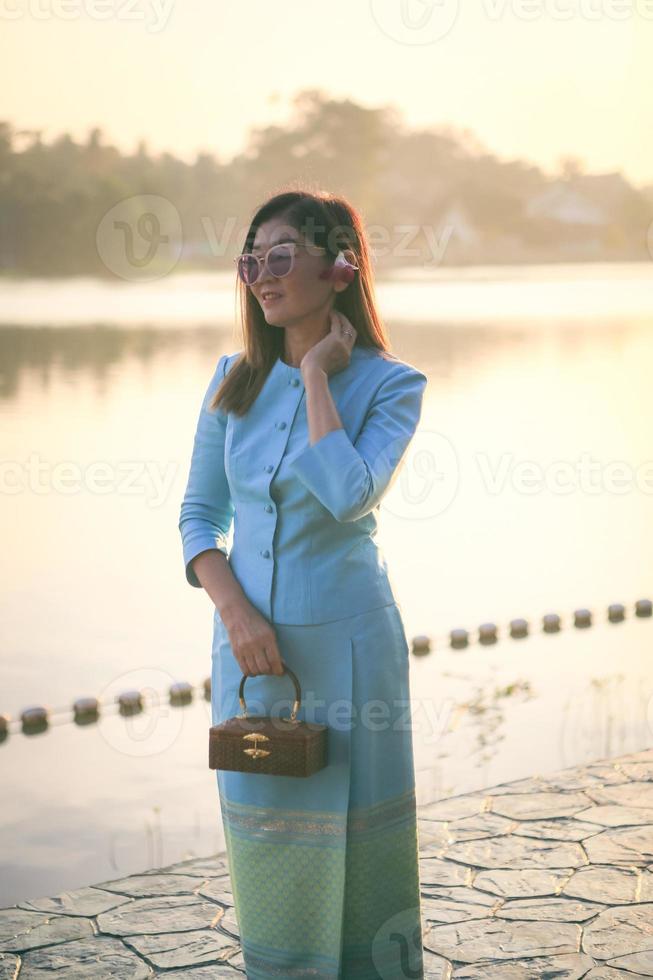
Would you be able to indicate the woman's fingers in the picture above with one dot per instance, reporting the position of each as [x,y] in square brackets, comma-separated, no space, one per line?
[273,657]
[336,323]
[343,327]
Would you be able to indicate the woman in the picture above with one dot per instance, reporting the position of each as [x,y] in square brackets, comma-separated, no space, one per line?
[298,438]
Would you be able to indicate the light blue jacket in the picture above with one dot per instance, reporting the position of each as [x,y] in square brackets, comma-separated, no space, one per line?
[304,517]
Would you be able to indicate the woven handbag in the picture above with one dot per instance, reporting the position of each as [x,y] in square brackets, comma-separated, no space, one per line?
[276,745]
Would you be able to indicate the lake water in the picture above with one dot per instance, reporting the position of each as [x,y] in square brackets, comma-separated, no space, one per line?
[528,489]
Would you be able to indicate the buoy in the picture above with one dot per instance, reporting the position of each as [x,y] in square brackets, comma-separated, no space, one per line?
[582,618]
[421,644]
[34,719]
[459,638]
[487,633]
[181,692]
[518,628]
[616,612]
[643,607]
[551,623]
[86,711]
[131,702]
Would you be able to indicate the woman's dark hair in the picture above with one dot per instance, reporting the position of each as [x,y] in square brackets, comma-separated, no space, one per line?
[327,221]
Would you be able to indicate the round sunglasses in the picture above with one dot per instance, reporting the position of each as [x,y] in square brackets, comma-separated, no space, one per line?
[280,261]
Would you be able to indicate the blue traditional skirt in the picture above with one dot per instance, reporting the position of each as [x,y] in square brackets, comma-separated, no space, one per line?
[324,868]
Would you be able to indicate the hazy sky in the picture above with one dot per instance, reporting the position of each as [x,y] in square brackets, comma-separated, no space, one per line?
[537,79]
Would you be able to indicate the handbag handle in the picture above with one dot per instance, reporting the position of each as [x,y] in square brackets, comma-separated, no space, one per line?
[298,695]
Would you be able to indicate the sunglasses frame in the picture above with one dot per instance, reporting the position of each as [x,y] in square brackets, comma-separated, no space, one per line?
[262,262]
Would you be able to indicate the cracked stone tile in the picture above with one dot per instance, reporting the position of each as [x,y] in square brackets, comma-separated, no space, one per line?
[540,806]
[511,851]
[97,958]
[608,772]
[206,867]
[614,886]
[637,770]
[9,964]
[646,755]
[556,909]
[613,815]
[435,967]
[197,947]
[637,794]
[434,871]
[531,784]
[238,960]
[217,971]
[457,905]
[564,829]
[522,883]
[229,923]
[160,915]
[629,845]
[433,834]
[495,940]
[620,931]
[23,930]
[83,901]
[480,825]
[639,963]
[584,777]
[218,890]
[567,966]
[607,973]
[454,807]
[146,886]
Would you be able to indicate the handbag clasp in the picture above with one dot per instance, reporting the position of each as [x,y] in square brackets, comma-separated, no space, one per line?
[256,752]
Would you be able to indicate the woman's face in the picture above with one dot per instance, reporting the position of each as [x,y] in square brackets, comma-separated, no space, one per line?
[301,293]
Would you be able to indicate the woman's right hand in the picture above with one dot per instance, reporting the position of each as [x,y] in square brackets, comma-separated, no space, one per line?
[253,641]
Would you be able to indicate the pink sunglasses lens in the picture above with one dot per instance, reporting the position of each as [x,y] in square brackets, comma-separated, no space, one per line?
[248,269]
[280,261]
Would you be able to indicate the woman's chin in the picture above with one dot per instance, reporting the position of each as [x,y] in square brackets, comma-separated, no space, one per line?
[273,320]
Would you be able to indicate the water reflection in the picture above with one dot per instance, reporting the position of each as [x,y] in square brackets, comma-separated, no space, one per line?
[95,590]
[95,351]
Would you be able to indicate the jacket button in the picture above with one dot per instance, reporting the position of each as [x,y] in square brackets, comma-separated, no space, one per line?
[265,553]
[281,425]
[269,468]
[268,507]
[294,382]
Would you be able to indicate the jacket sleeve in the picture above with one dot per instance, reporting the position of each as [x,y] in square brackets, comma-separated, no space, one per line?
[350,479]
[206,509]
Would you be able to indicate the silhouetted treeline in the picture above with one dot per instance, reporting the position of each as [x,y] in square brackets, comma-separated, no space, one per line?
[429,197]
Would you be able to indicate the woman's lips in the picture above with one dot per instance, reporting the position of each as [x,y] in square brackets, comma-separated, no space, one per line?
[270,299]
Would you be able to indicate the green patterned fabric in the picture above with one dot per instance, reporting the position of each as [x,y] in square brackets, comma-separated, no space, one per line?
[289,870]
[324,869]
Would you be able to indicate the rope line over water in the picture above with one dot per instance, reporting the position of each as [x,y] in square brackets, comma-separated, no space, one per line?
[36,719]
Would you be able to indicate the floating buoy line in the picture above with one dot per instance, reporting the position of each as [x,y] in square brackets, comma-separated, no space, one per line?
[36,719]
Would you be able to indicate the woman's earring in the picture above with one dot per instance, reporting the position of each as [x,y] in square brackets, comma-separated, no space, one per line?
[343,269]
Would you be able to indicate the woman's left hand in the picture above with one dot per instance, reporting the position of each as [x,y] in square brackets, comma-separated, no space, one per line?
[333,352]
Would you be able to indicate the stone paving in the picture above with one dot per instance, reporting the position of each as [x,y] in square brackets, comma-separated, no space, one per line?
[545,877]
